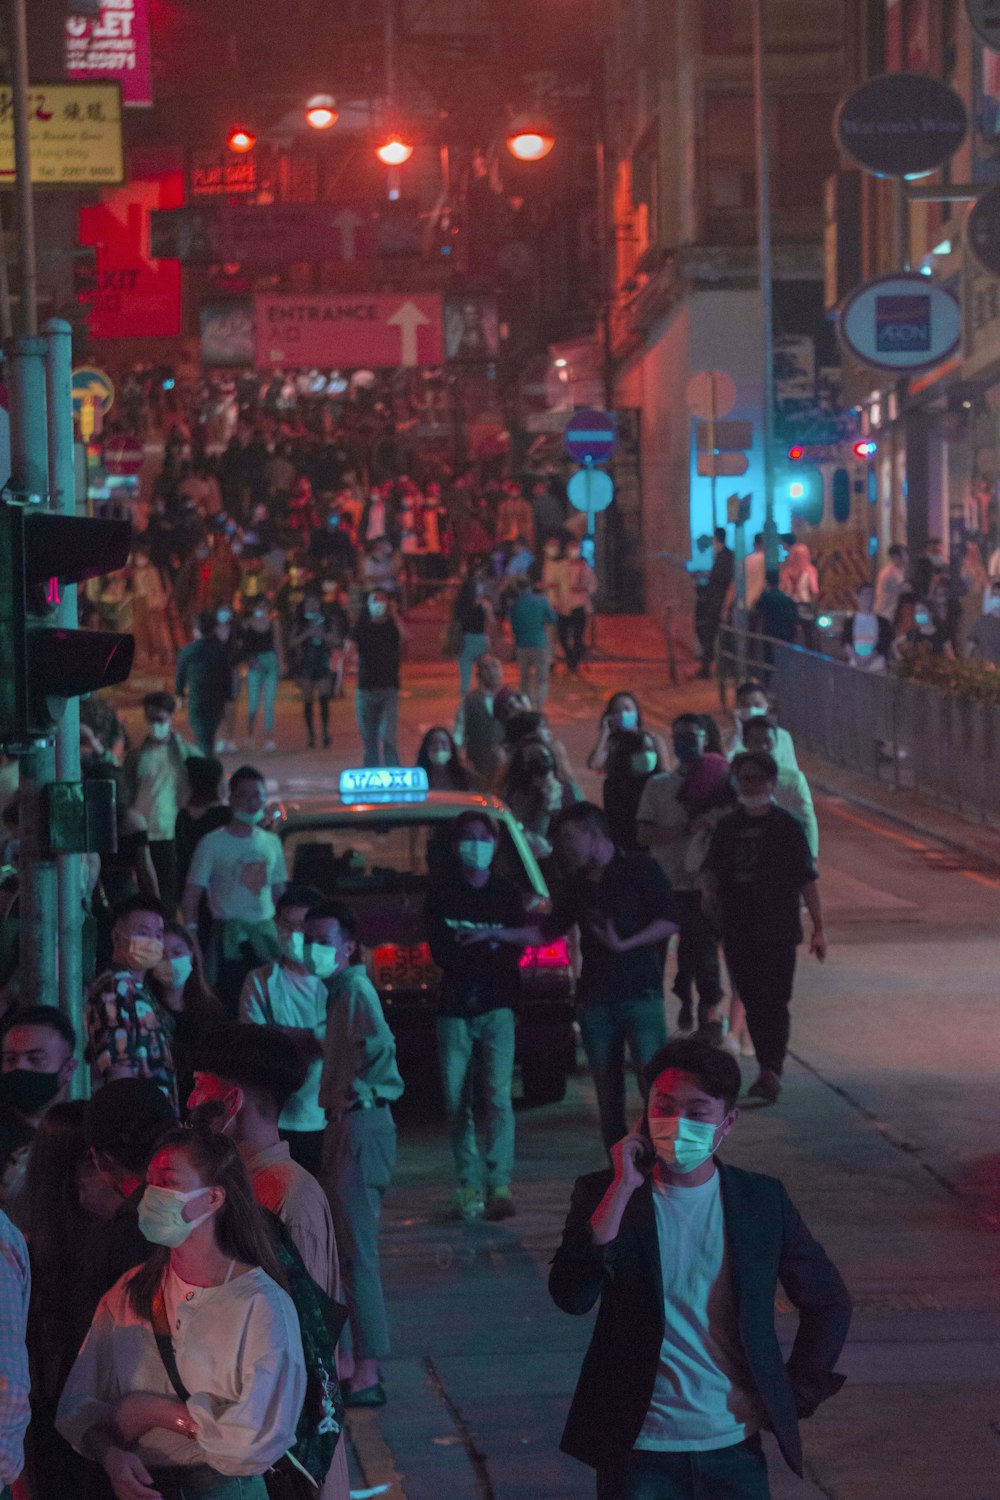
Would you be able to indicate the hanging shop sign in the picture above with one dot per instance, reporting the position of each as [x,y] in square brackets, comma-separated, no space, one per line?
[901,124]
[903,324]
[113,44]
[74,134]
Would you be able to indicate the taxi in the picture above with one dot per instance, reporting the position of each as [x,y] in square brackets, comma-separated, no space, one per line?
[375,846]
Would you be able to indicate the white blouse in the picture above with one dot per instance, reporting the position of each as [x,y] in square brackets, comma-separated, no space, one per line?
[238,1352]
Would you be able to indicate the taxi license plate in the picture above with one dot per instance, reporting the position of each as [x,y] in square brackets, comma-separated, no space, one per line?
[404,966]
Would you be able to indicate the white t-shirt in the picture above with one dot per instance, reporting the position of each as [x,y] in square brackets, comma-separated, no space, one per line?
[275,996]
[703,1396]
[238,873]
[239,1354]
[659,804]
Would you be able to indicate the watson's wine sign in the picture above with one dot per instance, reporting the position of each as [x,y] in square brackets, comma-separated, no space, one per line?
[901,124]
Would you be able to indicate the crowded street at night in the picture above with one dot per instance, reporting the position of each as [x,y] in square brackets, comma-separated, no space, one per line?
[499,749]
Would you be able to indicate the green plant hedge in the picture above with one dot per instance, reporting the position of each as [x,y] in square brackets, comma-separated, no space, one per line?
[976,681]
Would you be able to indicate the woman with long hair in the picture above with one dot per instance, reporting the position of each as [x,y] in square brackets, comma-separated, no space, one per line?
[438,756]
[62,1240]
[473,614]
[535,793]
[632,759]
[179,983]
[192,1377]
[621,715]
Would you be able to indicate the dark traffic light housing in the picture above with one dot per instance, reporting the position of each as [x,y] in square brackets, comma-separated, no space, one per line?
[41,663]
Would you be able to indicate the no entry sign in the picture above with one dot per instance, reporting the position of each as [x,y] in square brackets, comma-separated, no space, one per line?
[590,436]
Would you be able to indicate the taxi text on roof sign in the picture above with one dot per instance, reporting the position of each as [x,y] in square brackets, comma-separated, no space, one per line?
[383,781]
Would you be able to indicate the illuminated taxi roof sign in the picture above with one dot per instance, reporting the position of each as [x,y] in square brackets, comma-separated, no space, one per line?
[383,783]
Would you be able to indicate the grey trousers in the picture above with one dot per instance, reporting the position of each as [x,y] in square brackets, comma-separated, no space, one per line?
[359,1153]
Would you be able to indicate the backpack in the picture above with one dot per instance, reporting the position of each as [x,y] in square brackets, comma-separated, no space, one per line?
[321,1319]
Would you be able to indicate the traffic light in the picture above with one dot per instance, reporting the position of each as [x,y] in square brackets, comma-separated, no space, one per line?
[805,494]
[41,663]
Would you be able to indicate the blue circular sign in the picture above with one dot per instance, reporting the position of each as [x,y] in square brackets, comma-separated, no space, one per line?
[591,490]
[590,436]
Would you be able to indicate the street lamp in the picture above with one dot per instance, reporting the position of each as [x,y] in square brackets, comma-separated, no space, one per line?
[321,112]
[394,152]
[530,139]
[240,140]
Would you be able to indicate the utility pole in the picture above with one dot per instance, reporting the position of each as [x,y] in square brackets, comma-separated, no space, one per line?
[29,484]
[62,478]
[765,274]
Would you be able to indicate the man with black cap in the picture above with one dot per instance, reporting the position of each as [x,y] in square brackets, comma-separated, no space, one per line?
[125,1119]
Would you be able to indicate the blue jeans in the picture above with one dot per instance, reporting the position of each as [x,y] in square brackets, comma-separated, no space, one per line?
[473,646]
[457,1037]
[377,710]
[640,1022]
[199,1482]
[262,681]
[735,1473]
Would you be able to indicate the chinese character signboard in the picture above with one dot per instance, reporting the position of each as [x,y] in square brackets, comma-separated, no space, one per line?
[113,44]
[74,131]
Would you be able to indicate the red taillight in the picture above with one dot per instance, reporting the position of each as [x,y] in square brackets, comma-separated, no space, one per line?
[549,956]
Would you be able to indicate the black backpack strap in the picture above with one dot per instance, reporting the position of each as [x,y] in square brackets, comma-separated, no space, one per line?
[165,1344]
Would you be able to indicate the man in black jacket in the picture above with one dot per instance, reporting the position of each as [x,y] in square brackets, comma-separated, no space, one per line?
[480,987]
[685,1253]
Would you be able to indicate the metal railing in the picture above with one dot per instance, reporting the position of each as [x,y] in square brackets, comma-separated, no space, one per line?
[904,734]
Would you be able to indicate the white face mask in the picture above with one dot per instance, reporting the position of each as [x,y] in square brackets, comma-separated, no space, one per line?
[161,1215]
[174,972]
[476,854]
[752,711]
[293,946]
[439,757]
[377,609]
[159,729]
[322,960]
[683,1145]
[757,803]
[628,718]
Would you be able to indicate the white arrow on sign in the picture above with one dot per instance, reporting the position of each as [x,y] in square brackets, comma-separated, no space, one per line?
[408,319]
[348,223]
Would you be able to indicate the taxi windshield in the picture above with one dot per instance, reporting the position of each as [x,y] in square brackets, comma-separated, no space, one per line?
[380,857]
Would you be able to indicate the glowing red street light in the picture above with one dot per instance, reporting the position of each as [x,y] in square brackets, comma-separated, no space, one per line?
[241,141]
[394,152]
[530,139]
[795,453]
[321,112]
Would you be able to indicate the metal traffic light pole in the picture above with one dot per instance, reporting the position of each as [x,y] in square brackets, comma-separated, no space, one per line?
[62,479]
[29,452]
[766,274]
[37,884]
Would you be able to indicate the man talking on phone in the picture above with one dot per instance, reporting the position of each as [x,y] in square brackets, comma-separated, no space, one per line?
[685,1253]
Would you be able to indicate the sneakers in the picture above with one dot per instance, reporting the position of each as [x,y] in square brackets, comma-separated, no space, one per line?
[500,1205]
[467,1204]
[767,1087]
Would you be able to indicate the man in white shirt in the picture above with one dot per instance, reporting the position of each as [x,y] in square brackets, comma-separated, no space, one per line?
[685,1254]
[754,572]
[242,868]
[156,785]
[285,994]
[751,702]
[890,583]
[792,789]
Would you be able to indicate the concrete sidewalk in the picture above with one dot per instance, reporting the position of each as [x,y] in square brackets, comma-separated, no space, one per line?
[484,1364]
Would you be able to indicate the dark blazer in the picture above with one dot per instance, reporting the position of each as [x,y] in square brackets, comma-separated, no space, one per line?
[766,1242]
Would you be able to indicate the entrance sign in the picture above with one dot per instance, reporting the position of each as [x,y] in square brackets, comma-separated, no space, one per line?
[903,324]
[901,124]
[349,331]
